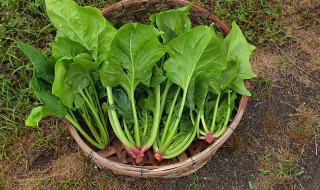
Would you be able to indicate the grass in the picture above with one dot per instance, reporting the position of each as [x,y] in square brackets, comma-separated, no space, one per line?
[287,168]
[194,181]
[280,168]
[16,97]
[260,86]
[282,164]
[263,23]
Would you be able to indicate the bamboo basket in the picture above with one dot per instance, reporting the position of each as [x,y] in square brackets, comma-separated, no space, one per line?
[115,158]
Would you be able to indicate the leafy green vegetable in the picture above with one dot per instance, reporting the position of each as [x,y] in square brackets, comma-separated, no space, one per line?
[36,115]
[173,23]
[64,48]
[44,68]
[80,24]
[59,87]
[134,52]
[190,56]
[66,83]
[161,85]
[237,52]
[237,48]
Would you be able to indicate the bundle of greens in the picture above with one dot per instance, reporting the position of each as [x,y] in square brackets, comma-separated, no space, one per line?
[161,85]
[68,83]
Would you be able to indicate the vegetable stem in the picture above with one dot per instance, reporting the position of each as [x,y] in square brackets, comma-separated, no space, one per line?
[213,124]
[168,122]
[220,132]
[164,96]
[127,132]
[175,127]
[100,126]
[135,120]
[177,146]
[179,149]
[145,126]
[156,120]
[86,117]
[192,117]
[204,124]
[74,122]
[115,123]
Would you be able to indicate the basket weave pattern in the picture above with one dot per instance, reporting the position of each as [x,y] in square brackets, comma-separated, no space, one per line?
[115,157]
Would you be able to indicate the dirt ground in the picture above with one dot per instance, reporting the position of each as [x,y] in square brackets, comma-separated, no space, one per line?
[276,145]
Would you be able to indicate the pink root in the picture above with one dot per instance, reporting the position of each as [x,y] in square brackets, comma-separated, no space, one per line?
[209,138]
[139,158]
[137,154]
[158,156]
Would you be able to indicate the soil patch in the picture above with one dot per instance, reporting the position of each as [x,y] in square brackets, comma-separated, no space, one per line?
[43,159]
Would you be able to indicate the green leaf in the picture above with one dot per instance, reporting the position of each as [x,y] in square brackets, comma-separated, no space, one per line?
[78,101]
[194,52]
[250,185]
[157,77]
[209,106]
[223,107]
[39,85]
[66,48]
[85,56]
[44,68]
[236,47]
[198,90]
[43,92]
[123,105]
[230,73]
[104,107]
[173,22]
[185,124]
[105,39]
[79,73]
[190,95]
[80,24]
[202,83]
[134,52]
[239,87]
[147,102]
[220,36]
[60,88]
[36,115]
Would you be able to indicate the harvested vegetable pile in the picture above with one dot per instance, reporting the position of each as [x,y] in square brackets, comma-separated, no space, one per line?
[161,85]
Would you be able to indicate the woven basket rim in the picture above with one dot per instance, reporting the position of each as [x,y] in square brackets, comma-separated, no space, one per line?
[163,170]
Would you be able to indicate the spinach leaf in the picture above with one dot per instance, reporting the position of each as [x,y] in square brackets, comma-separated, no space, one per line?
[172,23]
[134,52]
[192,53]
[36,115]
[43,93]
[44,68]
[80,24]
[198,90]
[236,46]
[123,105]
[229,74]
[105,38]
[65,48]
[61,89]
[79,73]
